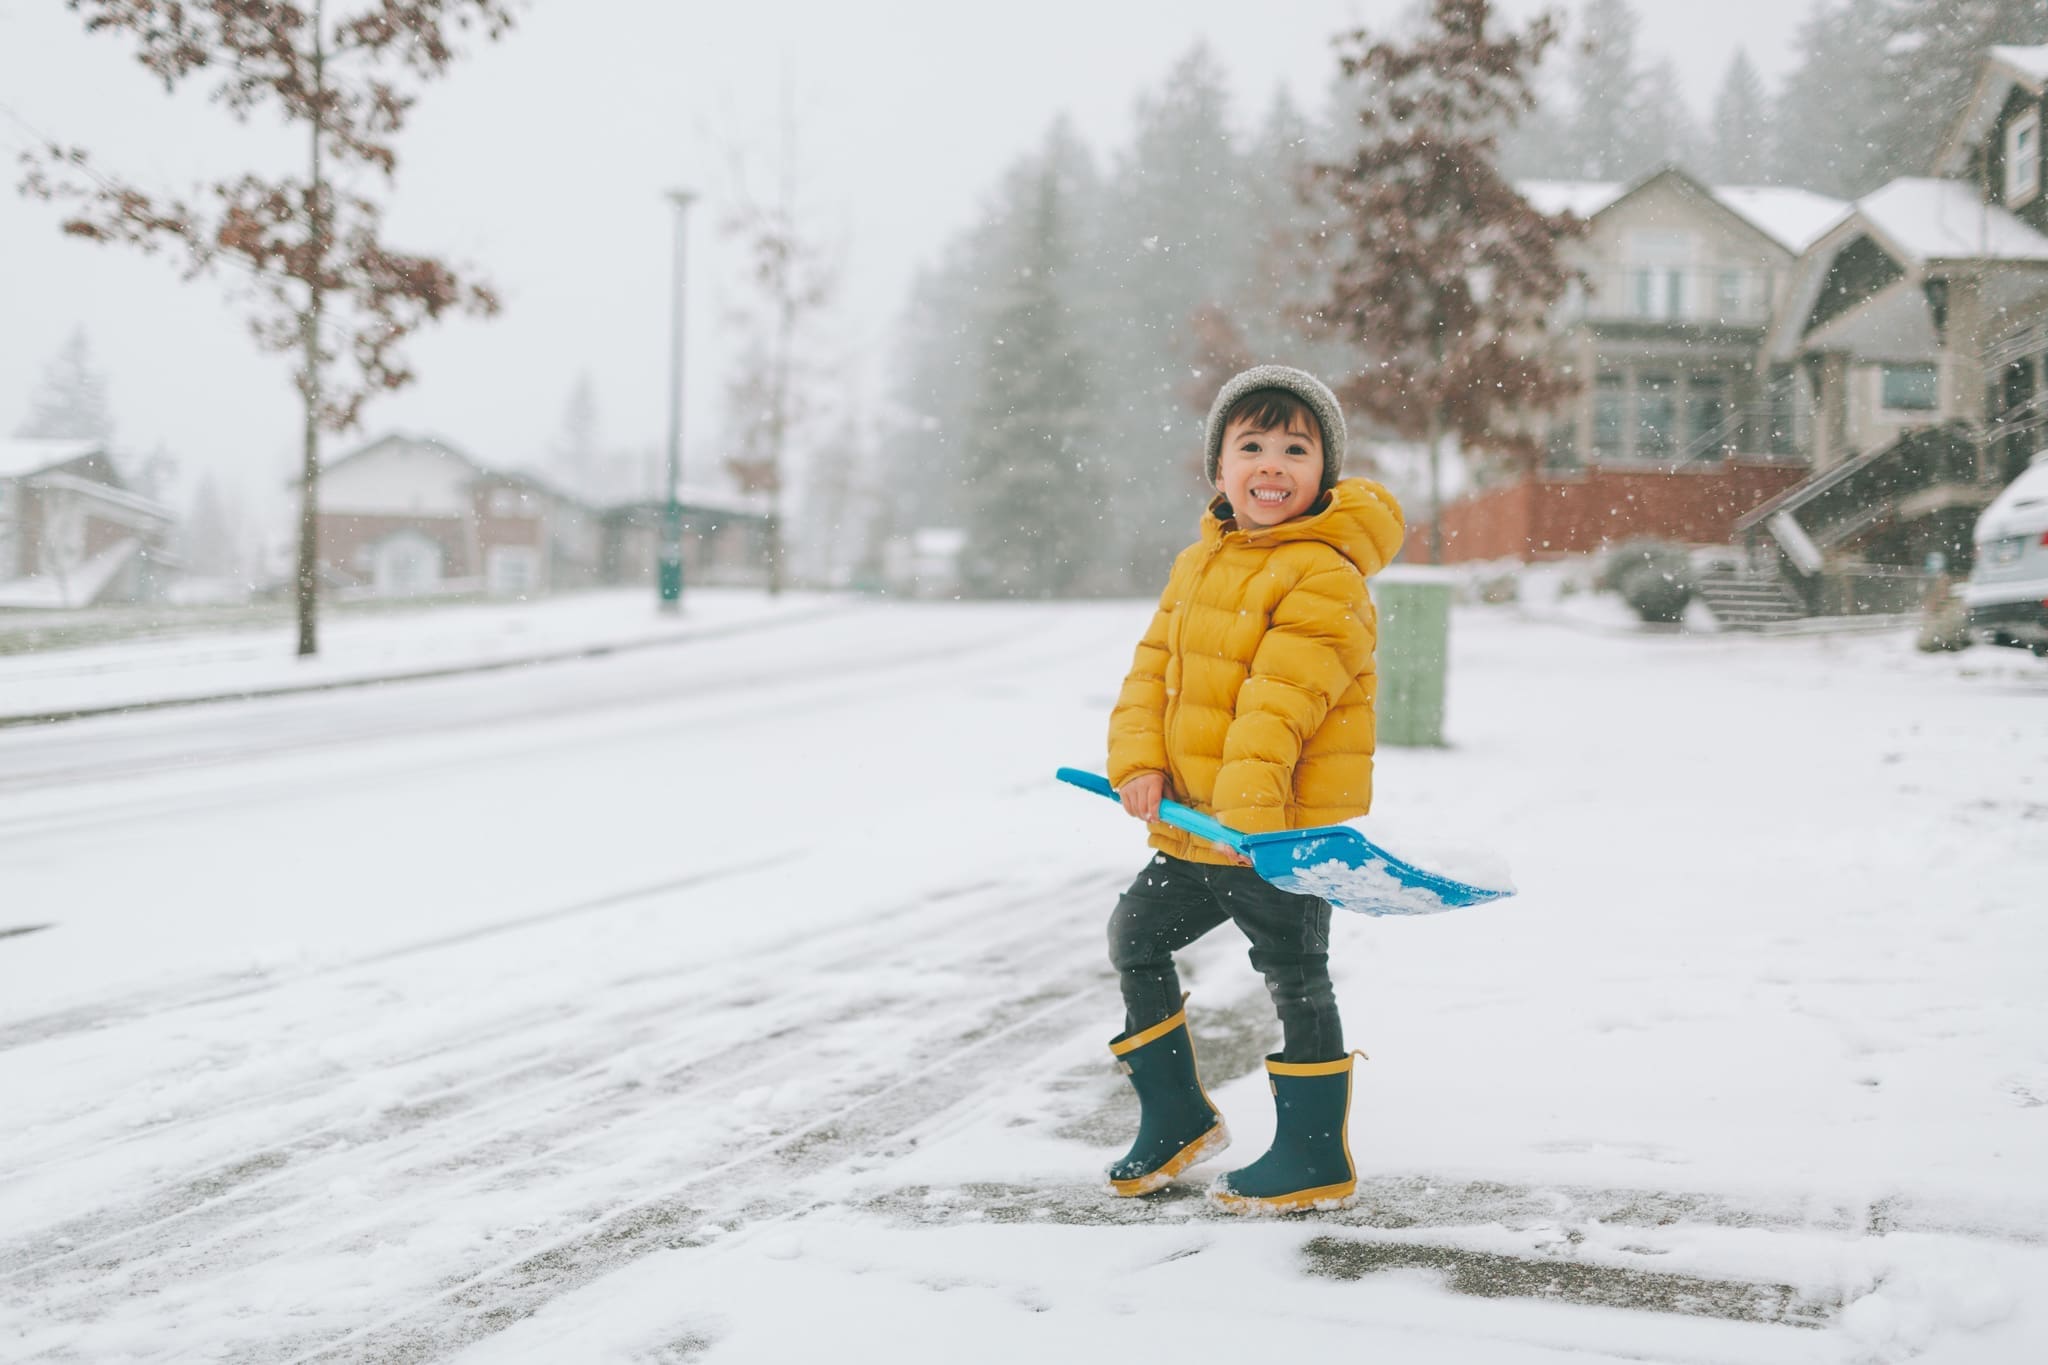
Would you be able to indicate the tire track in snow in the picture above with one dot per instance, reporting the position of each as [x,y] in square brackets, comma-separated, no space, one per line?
[503,1293]
[233,1195]
[517,1022]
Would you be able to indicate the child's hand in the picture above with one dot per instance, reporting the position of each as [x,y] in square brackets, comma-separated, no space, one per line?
[1142,794]
[1227,851]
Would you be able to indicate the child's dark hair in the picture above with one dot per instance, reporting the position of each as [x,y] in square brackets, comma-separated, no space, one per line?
[1272,410]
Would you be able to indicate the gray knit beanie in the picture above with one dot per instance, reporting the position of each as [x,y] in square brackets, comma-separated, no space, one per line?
[1302,385]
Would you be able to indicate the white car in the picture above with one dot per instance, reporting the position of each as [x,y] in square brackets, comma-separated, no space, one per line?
[2008,589]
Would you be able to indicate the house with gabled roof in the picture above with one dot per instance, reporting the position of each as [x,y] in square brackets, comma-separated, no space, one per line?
[1920,324]
[414,516]
[1674,432]
[72,533]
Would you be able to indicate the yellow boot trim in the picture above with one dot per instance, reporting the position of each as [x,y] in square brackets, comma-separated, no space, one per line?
[1319,1197]
[1207,1145]
[1309,1068]
[1152,1035]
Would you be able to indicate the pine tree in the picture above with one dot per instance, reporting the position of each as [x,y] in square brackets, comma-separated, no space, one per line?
[1443,272]
[575,458]
[943,333]
[209,540]
[1739,153]
[1626,120]
[1036,516]
[1827,108]
[1180,230]
[71,401]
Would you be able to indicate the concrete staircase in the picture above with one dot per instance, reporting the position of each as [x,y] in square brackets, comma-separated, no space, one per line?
[1743,599]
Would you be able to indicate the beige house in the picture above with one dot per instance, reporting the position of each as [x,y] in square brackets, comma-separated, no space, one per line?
[1680,282]
[413,516]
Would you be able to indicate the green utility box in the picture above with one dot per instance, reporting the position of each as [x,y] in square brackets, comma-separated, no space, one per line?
[1414,653]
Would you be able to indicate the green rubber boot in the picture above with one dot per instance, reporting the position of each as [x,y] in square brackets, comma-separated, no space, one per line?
[1309,1164]
[1177,1125]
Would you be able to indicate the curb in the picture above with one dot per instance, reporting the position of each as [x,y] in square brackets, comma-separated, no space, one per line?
[26,719]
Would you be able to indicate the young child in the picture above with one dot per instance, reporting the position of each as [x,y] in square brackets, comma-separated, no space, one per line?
[1251,699]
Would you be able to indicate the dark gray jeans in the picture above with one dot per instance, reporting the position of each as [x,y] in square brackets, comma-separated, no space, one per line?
[1173,902]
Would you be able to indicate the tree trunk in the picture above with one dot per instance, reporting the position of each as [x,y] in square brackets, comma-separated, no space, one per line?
[310,388]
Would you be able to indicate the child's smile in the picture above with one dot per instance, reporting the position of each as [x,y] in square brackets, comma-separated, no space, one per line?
[1270,475]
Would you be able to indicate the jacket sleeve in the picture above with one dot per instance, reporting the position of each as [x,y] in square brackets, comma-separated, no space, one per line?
[1319,641]
[1137,724]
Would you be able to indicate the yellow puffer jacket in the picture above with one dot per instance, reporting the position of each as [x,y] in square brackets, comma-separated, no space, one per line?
[1253,689]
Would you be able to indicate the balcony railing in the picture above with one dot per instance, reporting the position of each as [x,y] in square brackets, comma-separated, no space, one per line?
[1695,296]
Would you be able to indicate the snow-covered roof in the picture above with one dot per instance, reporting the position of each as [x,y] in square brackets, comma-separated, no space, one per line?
[330,459]
[23,455]
[1926,220]
[1792,217]
[1582,197]
[2028,62]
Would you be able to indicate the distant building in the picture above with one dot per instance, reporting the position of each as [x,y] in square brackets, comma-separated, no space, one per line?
[925,563]
[412,516]
[71,532]
[726,540]
[408,516]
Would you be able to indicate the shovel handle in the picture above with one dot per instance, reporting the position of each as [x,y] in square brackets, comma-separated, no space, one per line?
[1172,812]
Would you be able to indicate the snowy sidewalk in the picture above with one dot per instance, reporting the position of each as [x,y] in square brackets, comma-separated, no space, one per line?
[362,649]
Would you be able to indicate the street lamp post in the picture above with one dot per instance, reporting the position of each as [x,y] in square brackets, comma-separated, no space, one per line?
[671,575]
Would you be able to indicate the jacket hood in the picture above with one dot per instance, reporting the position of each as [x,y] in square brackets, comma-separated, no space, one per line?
[1357,518]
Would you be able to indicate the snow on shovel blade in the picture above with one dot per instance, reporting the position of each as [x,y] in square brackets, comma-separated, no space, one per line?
[1334,862]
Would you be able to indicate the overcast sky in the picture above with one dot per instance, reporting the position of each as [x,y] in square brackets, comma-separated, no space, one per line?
[541,160]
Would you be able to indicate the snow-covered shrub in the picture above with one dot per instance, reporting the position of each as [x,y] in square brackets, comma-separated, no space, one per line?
[1497,588]
[1654,577]
[1659,595]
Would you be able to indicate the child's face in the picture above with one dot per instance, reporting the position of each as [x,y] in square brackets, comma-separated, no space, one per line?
[1270,476]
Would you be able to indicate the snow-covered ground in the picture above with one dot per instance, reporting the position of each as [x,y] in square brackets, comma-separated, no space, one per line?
[744,1000]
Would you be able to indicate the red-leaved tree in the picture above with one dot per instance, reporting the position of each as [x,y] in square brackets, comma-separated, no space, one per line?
[1435,270]
[326,284]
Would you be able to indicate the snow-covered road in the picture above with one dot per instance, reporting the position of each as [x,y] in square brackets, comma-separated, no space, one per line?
[743,999]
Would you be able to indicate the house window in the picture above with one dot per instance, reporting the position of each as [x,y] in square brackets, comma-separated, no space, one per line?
[1610,416]
[1728,293]
[1656,416]
[1646,293]
[2023,157]
[1674,294]
[1706,406]
[1911,388]
[1561,450]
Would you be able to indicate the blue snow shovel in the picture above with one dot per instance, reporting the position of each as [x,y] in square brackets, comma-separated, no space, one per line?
[1335,862]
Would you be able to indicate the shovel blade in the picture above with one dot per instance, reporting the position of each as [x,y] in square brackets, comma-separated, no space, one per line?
[1353,873]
